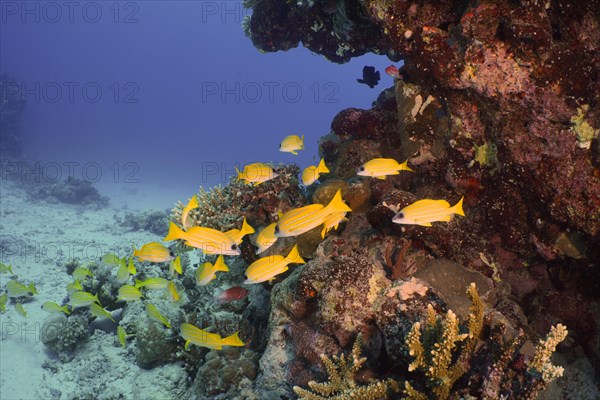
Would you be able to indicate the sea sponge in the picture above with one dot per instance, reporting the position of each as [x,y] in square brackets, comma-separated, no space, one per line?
[62,334]
[154,344]
[223,371]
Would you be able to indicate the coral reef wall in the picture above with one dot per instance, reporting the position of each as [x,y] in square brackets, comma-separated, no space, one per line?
[517,84]
[498,101]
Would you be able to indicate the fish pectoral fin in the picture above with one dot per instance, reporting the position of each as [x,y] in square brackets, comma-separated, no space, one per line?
[187,345]
[294,152]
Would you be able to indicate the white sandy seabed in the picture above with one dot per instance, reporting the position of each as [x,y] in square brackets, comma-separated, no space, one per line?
[37,239]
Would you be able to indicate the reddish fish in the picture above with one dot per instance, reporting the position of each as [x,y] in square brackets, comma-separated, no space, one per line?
[393,72]
[232,294]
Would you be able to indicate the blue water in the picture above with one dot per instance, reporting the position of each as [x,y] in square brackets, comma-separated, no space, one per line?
[165,93]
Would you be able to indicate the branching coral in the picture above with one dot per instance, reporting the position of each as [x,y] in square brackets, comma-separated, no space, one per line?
[224,207]
[541,369]
[342,383]
[437,351]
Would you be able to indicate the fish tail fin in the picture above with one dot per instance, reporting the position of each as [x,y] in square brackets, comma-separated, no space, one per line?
[294,256]
[138,284]
[405,166]
[322,168]
[220,264]
[32,288]
[193,202]
[247,229]
[233,340]
[177,265]
[458,207]
[240,175]
[174,233]
[337,204]
[302,141]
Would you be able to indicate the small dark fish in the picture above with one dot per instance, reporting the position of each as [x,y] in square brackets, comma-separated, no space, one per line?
[231,294]
[370,76]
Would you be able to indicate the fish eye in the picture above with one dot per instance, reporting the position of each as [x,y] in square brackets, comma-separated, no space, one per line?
[361,169]
[401,215]
[233,247]
[276,229]
[172,254]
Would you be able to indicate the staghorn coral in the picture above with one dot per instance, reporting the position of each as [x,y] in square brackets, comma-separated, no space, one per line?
[342,383]
[436,350]
[224,207]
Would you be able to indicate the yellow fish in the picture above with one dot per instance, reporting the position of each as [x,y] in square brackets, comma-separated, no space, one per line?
[82,299]
[122,334]
[210,241]
[52,307]
[129,293]
[112,259]
[193,203]
[74,287]
[152,283]
[172,289]
[82,273]
[21,310]
[123,274]
[291,144]
[3,301]
[256,173]
[297,221]
[153,313]
[154,252]
[207,271]
[266,268]
[332,222]
[266,238]
[238,234]
[381,167]
[5,268]
[199,337]
[312,173]
[99,312]
[424,212]
[175,266]
[16,289]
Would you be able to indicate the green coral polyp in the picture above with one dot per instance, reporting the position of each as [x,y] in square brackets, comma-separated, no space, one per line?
[584,132]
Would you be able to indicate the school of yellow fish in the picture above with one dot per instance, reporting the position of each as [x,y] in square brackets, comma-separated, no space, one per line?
[214,242]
